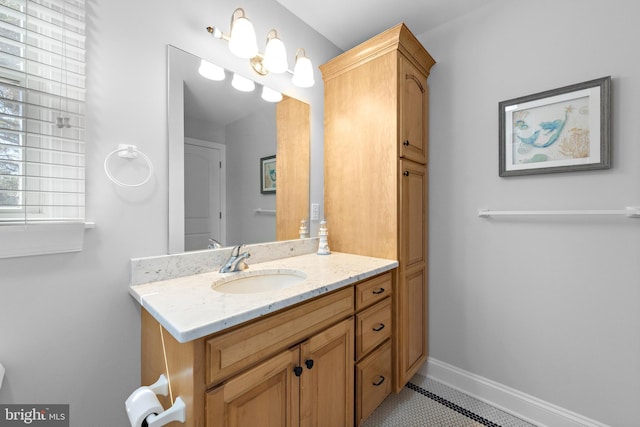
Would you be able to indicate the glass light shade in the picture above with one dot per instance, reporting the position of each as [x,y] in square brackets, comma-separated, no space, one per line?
[242,84]
[303,72]
[211,71]
[275,56]
[271,95]
[242,41]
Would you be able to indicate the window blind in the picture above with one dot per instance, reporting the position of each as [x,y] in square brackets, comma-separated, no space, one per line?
[42,111]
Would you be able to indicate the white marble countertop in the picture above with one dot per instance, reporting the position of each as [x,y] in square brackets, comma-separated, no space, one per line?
[189,308]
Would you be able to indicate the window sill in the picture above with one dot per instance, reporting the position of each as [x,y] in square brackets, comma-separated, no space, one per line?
[41,239]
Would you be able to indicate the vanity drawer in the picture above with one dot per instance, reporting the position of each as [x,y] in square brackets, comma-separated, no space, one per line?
[373,326]
[231,352]
[373,381]
[373,290]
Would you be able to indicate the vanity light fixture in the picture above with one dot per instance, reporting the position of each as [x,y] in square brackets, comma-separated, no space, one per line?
[275,54]
[211,71]
[303,71]
[242,43]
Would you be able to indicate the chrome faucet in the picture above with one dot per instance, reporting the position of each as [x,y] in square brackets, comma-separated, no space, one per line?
[236,261]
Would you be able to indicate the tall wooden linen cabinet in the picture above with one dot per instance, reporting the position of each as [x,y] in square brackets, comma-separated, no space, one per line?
[375,156]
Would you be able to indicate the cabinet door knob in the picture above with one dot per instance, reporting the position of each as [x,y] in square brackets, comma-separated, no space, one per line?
[378,291]
[406,143]
[379,328]
[297,370]
[309,363]
[405,173]
[379,382]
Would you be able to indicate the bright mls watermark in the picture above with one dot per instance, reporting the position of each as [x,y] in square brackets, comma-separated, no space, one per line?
[34,415]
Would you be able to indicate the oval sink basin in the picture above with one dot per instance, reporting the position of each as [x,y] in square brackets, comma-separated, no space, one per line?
[251,282]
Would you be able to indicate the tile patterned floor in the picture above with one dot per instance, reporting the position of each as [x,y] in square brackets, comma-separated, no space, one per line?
[425,402]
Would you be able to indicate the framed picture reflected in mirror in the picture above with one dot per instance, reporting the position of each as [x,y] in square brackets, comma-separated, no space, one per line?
[268,175]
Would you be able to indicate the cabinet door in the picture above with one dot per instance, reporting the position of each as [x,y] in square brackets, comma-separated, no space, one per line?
[413,112]
[411,293]
[412,338]
[413,213]
[326,384]
[264,396]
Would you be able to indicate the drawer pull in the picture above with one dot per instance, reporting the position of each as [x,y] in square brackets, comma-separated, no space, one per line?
[379,328]
[379,382]
[378,291]
[309,363]
[297,370]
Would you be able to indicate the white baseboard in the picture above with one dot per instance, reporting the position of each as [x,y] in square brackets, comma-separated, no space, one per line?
[514,402]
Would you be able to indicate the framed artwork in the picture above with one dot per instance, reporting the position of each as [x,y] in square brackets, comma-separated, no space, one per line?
[560,130]
[268,175]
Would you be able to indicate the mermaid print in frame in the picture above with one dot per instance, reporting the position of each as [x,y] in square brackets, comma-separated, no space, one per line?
[561,130]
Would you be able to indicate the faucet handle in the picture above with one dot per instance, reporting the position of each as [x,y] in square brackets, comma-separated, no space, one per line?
[236,250]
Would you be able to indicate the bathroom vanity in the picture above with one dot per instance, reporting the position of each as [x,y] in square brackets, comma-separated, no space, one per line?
[317,352]
[352,328]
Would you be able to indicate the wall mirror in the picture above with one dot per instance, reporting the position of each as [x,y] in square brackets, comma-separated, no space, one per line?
[221,144]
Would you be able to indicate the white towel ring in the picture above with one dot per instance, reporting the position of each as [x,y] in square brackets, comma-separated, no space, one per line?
[128,152]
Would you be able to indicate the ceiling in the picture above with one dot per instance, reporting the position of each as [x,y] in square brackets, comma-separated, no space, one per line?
[349,23]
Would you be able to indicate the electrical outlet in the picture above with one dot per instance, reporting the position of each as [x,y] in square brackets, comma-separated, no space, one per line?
[315,211]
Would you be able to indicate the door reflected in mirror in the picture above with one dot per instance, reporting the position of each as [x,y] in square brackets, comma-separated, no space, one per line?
[217,136]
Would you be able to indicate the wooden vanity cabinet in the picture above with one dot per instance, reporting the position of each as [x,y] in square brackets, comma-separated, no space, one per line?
[296,367]
[266,395]
[376,153]
[308,385]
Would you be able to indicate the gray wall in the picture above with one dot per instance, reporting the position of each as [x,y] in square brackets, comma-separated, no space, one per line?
[69,331]
[545,306]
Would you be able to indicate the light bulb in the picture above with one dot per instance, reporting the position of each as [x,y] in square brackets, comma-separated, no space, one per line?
[271,95]
[303,71]
[243,84]
[211,71]
[242,41]
[275,54]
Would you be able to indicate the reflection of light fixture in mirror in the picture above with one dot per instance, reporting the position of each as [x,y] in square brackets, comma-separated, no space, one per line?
[243,84]
[303,71]
[271,95]
[211,71]
[242,42]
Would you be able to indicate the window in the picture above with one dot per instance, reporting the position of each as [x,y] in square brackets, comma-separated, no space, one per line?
[42,90]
